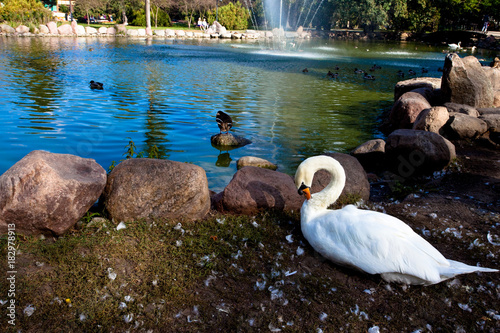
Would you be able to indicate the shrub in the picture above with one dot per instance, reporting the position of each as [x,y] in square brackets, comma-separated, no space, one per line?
[232,16]
[24,12]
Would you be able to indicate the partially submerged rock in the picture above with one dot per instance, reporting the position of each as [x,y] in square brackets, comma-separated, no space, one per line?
[255,161]
[228,139]
[429,85]
[46,193]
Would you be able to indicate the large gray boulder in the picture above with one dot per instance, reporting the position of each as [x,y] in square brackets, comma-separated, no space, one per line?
[462,126]
[144,188]
[406,109]
[465,82]
[412,152]
[46,193]
[432,119]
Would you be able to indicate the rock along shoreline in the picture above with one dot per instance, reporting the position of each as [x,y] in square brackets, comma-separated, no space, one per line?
[74,29]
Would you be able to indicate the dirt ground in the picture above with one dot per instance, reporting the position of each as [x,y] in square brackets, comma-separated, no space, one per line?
[458,211]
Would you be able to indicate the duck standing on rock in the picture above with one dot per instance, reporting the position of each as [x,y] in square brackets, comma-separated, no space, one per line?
[96,85]
[370,241]
[224,121]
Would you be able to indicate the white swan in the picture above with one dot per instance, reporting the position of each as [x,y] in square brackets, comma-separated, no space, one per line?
[373,242]
[455,46]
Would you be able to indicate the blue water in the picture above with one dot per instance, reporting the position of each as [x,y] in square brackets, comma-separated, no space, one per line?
[167,92]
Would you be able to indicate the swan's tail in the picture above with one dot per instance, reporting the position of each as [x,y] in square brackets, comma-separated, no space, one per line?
[457,268]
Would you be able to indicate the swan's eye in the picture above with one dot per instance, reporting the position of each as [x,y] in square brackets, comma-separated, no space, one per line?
[302,188]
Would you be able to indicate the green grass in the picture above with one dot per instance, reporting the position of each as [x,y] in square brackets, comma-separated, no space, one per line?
[156,264]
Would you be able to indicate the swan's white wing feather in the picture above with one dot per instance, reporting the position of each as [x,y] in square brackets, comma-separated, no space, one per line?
[374,242]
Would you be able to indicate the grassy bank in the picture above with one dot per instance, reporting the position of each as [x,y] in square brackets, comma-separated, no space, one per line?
[229,274]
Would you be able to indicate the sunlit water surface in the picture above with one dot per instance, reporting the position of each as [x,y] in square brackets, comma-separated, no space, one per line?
[166,93]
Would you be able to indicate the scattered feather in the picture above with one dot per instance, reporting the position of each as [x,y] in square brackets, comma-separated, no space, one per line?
[323,316]
[464,307]
[111,274]
[490,239]
[121,226]
[28,311]
[288,273]
[374,329]
[300,251]
[128,318]
[273,329]
[289,239]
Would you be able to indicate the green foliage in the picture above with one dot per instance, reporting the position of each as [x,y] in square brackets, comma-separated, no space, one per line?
[138,18]
[153,152]
[24,12]
[232,16]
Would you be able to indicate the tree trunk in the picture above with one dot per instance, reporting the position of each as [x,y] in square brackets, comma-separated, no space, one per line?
[148,14]
[156,17]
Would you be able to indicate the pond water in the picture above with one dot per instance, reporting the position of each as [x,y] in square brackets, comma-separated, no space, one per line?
[167,92]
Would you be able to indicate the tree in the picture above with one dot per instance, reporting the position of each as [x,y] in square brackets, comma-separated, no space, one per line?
[147,10]
[189,8]
[88,7]
[156,6]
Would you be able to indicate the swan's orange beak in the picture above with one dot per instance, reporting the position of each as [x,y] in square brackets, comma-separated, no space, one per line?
[307,193]
[303,189]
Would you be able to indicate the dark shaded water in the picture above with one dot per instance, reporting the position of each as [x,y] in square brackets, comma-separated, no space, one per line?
[166,93]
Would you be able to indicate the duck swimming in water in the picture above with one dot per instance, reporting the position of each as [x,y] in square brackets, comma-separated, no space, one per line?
[224,121]
[96,85]
[370,241]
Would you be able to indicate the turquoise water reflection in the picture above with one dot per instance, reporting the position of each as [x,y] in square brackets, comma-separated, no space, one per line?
[166,93]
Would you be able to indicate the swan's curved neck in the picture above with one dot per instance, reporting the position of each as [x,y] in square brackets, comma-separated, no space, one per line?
[332,191]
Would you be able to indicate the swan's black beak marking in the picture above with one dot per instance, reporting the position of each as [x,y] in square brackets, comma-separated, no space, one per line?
[303,189]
